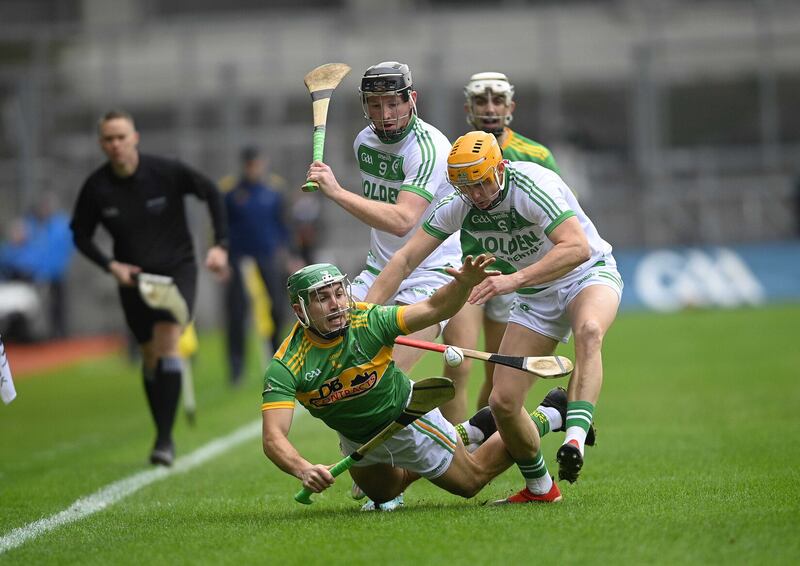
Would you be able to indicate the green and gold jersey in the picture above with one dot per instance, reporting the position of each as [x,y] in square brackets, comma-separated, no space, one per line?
[351,383]
[520,148]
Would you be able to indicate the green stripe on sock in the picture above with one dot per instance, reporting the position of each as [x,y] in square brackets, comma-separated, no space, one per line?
[541,422]
[462,432]
[579,413]
[533,469]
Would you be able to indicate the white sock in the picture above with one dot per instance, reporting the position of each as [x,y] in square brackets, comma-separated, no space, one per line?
[540,485]
[553,416]
[578,434]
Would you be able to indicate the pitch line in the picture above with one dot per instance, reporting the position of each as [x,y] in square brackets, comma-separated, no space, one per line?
[114,492]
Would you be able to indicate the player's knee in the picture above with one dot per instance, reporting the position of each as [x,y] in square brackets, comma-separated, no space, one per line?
[589,334]
[503,404]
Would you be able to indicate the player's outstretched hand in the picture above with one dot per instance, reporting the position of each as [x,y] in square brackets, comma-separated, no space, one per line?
[485,290]
[473,271]
[324,177]
[317,478]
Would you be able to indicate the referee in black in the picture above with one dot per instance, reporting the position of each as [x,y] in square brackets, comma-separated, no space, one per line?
[138,199]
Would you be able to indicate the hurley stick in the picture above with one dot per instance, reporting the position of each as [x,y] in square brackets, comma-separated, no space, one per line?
[321,82]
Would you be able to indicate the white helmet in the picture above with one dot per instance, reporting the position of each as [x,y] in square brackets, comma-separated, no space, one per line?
[483,83]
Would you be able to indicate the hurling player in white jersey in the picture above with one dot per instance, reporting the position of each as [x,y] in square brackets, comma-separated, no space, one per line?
[562,272]
[489,105]
[403,164]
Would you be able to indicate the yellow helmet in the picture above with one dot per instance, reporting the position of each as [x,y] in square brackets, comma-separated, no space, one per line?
[473,158]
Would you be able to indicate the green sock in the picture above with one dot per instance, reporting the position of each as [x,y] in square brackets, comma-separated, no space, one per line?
[462,432]
[537,478]
[541,422]
[579,414]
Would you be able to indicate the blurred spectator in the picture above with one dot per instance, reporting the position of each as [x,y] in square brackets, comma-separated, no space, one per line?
[17,255]
[306,220]
[20,303]
[257,231]
[38,250]
[50,234]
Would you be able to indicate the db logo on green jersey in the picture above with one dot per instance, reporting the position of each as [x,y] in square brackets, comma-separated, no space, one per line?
[335,390]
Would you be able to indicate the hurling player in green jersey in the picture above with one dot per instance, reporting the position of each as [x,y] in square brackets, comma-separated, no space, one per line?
[337,362]
[490,106]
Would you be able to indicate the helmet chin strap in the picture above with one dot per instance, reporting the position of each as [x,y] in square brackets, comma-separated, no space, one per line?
[307,323]
[330,335]
[497,132]
[474,120]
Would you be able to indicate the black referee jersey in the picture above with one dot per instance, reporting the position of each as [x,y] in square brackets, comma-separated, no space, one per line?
[145,214]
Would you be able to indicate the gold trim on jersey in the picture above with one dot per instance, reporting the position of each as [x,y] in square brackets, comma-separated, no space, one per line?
[515,142]
[285,344]
[296,361]
[401,320]
[277,405]
[352,382]
[313,339]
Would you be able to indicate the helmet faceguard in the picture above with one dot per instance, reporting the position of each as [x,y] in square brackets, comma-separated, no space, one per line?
[474,161]
[305,285]
[387,83]
[487,85]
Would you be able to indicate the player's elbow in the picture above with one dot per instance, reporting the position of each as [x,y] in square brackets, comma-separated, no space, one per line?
[581,252]
[403,225]
[402,229]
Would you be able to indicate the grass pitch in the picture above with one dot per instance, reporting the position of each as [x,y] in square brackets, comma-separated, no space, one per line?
[696,462]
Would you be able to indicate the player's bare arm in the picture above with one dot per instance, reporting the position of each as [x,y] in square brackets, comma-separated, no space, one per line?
[275,430]
[398,219]
[447,301]
[571,248]
[406,260]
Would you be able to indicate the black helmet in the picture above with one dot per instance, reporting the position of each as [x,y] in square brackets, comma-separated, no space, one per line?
[389,77]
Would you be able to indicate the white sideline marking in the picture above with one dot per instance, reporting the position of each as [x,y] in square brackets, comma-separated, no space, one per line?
[112,493]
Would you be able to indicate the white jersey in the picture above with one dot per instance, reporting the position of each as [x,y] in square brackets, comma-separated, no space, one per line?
[534,202]
[416,163]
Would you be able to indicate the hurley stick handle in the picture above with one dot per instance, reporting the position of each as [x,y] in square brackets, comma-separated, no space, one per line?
[319,147]
[304,495]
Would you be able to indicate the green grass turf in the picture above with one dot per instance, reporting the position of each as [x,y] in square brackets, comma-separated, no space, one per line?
[696,463]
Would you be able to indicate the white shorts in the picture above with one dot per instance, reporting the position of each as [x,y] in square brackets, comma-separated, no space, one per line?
[418,286]
[426,447]
[498,308]
[546,312]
